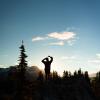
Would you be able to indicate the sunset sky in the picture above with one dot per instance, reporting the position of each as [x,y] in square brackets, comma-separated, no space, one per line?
[68,30]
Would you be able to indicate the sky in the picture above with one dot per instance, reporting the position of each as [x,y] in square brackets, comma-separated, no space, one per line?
[68,30]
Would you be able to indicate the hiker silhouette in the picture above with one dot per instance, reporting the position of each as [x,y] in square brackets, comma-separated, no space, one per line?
[47,62]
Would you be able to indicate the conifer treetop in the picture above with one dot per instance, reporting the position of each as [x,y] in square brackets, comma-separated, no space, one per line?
[23,56]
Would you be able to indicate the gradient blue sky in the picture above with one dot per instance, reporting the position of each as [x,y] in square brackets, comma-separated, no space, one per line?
[37,19]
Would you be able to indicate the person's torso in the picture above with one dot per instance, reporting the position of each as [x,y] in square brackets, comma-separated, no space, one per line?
[47,64]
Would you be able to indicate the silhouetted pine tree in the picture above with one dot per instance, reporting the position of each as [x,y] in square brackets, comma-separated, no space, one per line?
[80,73]
[86,75]
[40,76]
[65,74]
[22,62]
[55,75]
[75,73]
[22,69]
[70,74]
[98,77]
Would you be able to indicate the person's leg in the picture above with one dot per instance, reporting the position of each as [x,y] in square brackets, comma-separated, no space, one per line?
[46,76]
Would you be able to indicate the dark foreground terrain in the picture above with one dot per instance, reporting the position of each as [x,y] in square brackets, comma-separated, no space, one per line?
[68,87]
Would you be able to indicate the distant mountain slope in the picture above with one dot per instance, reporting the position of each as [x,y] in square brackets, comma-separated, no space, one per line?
[32,72]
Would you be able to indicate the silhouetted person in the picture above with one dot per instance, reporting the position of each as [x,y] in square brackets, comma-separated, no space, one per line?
[47,64]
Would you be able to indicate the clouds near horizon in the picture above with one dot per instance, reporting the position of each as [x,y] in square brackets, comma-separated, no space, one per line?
[1,65]
[68,58]
[38,38]
[60,43]
[96,60]
[60,37]
[98,55]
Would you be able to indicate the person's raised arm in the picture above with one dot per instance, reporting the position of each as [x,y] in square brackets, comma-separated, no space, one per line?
[51,58]
[43,61]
